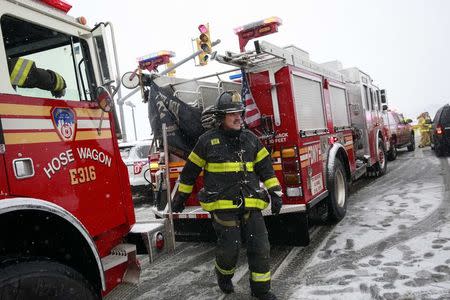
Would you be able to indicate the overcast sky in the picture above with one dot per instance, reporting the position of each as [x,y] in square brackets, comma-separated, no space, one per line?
[403,45]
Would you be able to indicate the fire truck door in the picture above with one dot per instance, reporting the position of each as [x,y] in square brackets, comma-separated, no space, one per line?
[55,153]
[57,147]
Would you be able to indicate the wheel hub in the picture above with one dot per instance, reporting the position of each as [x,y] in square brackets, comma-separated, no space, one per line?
[340,188]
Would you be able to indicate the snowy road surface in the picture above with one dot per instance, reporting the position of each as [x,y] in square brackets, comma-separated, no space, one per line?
[394,243]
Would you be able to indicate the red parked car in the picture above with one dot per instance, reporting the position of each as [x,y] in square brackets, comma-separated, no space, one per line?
[399,132]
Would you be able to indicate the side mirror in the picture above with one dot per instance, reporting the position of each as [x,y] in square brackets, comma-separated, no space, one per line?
[408,121]
[130,80]
[101,47]
[104,99]
[385,107]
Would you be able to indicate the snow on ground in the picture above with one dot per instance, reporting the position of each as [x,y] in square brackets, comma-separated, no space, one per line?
[393,244]
[381,216]
[144,213]
[417,268]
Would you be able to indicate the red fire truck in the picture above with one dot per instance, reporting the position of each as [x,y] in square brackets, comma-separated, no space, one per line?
[321,123]
[65,200]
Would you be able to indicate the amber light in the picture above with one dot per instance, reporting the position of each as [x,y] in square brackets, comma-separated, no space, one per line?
[292,179]
[264,29]
[289,152]
[82,20]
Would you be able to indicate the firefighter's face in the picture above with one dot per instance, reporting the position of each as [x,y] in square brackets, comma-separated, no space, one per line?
[232,121]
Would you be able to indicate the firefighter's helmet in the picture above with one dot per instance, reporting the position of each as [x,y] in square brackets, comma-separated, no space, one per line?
[229,102]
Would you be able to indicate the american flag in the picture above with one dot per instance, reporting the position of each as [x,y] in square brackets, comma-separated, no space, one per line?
[252,116]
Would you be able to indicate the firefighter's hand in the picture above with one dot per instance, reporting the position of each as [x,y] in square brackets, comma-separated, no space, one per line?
[208,118]
[178,202]
[59,94]
[276,203]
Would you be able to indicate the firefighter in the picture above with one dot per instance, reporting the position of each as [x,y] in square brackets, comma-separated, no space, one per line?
[24,73]
[424,127]
[234,162]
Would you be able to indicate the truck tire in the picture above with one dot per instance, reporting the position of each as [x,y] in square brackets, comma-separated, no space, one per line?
[379,168]
[338,193]
[392,154]
[43,279]
[412,143]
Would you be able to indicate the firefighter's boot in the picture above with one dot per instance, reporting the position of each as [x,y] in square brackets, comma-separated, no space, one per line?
[225,283]
[266,296]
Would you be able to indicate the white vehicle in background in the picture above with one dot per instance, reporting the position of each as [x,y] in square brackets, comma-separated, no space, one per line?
[135,157]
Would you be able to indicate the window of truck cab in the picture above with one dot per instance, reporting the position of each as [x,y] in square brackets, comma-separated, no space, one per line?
[50,50]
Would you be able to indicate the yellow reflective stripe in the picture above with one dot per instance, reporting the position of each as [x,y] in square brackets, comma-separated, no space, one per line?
[24,75]
[261,155]
[62,82]
[255,203]
[218,204]
[58,82]
[185,188]
[228,204]
[223,271]
[260,277]
[228,167]
[270,183]
[197,159]
[16,69]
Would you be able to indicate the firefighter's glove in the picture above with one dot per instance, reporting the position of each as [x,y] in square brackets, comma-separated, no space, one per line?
[59,87]
[208,118]
[178,202]
[59,94]
[275,200]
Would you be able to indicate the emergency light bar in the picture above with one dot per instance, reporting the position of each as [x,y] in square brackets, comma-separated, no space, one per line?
[58,4]
[256,29]
[153,60]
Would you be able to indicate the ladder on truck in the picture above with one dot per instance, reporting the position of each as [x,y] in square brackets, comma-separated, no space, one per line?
[271,58]
[267,55]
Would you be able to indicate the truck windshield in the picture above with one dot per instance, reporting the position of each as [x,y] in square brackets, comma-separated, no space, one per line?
[63,54]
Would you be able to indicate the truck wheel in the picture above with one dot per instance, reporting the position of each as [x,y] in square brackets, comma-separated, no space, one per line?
[43,279]
[379,168]
[338,191]
[412,143]
[392,154]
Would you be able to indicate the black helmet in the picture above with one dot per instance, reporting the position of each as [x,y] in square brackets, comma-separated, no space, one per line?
[229,102]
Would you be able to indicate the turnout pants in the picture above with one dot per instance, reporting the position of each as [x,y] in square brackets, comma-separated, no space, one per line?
[425,138]
[229,227]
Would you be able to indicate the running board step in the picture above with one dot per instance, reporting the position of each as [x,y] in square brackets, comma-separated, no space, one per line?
[153,237]
[361,169]
[123,253]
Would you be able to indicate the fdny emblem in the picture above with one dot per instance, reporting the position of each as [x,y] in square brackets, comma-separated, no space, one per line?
[64,122]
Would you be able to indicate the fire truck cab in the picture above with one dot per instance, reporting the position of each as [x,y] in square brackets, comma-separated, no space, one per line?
[65,200]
